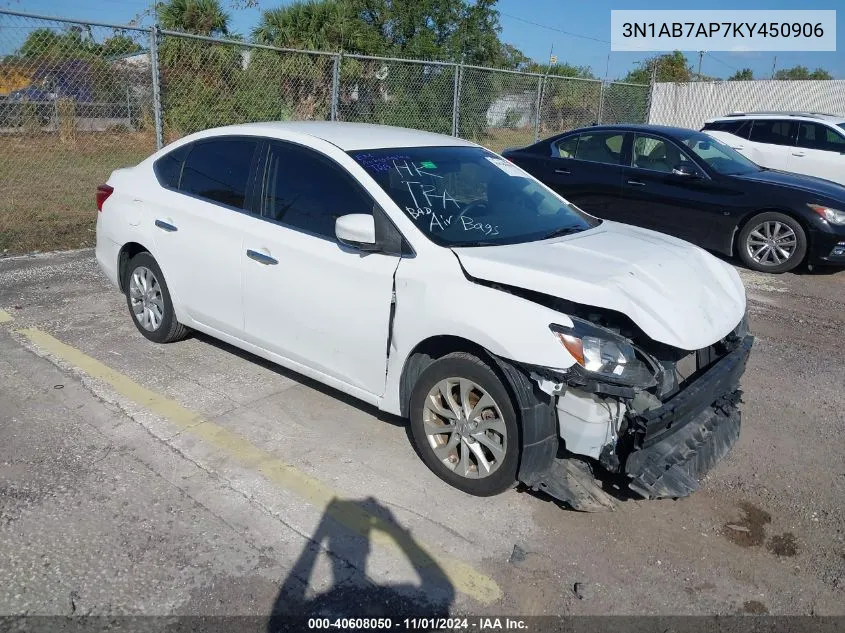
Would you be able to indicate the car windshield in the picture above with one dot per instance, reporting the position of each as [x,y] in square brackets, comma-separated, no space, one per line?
[467,196]
[721,158]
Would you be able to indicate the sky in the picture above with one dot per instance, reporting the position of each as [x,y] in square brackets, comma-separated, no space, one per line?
[577,32]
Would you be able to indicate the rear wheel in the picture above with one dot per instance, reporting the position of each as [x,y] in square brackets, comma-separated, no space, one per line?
[149,301]
[464,425]
[772,242]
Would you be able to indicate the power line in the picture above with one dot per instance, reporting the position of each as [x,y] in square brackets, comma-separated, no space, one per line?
[554,28]
[724,63]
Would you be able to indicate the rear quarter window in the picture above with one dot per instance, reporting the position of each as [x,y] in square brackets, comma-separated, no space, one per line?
[168,168]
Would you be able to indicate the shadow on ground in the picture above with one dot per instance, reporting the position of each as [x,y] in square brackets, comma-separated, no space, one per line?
[346,534]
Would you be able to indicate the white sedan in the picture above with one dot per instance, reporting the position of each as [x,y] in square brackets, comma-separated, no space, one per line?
[522,338]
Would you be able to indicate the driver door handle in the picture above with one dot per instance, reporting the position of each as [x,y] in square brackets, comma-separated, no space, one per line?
[563,171]
[636,183]
[799,154]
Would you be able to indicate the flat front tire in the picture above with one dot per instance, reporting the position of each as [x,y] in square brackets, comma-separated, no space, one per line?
[464,425]
[149,302]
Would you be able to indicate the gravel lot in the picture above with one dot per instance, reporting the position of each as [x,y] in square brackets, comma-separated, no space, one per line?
[230,486]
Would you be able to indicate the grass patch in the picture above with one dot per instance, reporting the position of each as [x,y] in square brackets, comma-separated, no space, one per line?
[48,186]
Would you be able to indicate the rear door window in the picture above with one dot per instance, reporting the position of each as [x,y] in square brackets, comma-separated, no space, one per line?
[600,147]
[773,131]
[565,147]
[818,136]
[219,170]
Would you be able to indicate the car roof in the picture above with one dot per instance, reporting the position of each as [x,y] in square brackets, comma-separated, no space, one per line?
[347,136]
[636,127]
[808,116]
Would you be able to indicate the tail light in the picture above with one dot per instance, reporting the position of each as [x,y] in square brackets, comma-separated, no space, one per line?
[103,193]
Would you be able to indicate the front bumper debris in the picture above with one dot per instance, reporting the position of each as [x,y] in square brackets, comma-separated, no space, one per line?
[673,446]
[660,452]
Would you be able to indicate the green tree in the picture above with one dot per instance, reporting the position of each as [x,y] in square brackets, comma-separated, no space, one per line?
[119,45]
[802,73]
[73,42]
[201,17]
[454,30]
[742,75]
[669,67]
[561,70]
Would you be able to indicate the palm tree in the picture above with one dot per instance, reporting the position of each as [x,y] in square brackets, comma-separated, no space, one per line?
[313,25]
[201,17]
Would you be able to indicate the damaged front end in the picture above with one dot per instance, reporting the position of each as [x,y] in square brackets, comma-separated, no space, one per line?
[632,410]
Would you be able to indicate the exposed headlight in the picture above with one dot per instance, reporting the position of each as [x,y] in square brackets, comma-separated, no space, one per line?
[834,216]
[604,353]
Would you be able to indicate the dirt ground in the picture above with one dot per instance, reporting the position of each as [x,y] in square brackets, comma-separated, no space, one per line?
[196,479]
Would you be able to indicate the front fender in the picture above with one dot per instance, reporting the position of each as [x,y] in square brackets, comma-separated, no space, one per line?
[440,301]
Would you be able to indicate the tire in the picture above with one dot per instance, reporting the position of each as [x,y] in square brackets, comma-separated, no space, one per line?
[481,467]
[763,230]
[157,321]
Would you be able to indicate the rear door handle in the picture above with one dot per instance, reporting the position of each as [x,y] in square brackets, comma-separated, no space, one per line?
[166,226]
[563,171]
[636,183]
[261,258]
[799,154]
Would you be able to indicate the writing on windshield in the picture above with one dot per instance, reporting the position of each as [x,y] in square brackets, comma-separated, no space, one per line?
[469,197]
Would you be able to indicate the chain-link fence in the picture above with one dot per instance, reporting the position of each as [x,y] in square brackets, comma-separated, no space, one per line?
[78,100]
[75,103]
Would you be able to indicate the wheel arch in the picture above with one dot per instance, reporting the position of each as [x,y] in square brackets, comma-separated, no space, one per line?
[426,352]
[753,214]
[536,417]
[126,253]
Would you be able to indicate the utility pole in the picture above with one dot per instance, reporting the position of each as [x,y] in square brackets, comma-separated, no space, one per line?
[700,57]
[774,65]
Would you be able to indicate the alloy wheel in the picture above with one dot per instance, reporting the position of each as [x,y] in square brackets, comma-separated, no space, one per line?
[771,243]
[145,298]
[465,428]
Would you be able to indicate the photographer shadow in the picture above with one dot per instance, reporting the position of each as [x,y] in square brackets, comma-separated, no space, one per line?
[346,533]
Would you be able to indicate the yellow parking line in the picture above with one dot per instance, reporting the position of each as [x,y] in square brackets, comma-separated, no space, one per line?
[5,317]
[462,576]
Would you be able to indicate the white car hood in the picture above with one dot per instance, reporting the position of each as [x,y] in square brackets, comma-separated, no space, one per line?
[676,292]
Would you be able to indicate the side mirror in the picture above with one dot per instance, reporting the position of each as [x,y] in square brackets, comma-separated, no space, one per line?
[687,171]
[357,230]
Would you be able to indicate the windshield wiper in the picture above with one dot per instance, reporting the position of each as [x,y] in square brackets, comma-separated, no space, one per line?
[472,243]
[561,231]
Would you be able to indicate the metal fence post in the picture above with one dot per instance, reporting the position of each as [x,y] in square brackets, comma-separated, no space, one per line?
[335,85]
[538,105]
[154,33]
[456,98]
[601,103]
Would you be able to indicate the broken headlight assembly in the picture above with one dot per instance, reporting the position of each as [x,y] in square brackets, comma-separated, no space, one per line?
[606,355]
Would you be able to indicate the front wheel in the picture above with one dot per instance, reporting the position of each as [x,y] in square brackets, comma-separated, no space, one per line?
[772,242]
[464,425]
